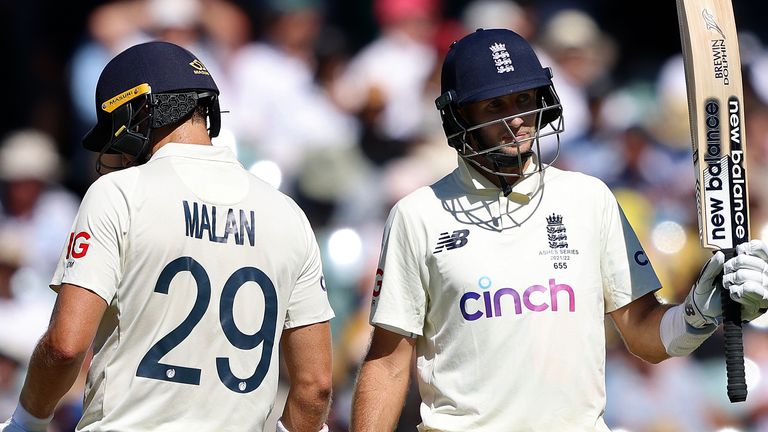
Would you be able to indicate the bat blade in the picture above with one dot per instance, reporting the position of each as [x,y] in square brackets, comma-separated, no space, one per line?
[715,104]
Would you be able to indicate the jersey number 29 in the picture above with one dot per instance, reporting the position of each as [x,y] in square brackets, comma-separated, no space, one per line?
[150,366]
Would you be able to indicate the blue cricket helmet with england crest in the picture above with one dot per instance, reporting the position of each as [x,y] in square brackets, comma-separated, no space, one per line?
[487,64]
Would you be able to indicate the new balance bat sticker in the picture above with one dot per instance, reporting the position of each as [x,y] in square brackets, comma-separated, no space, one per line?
[715,104]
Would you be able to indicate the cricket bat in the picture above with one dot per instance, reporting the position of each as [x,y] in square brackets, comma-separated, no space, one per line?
[716,108]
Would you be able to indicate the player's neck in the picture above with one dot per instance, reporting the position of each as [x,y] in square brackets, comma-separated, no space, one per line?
[189,132]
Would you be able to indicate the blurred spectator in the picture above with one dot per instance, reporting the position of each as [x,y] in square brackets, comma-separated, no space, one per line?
[391,85]
[672,105]
[384,82]
[176,21]
[229,26]
[23,319]
[657,398]
[640,141]
[279,112]
[507,14]
[582,59]
[181,22]
[34,204]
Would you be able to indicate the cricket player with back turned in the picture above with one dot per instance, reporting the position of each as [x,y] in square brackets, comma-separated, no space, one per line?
[185,273]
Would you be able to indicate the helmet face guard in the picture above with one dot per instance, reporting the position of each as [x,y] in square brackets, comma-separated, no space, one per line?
[549,122]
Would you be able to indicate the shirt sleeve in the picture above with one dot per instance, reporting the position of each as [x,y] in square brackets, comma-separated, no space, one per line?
[626,270]
[399,301]
[92,257]
[309,299]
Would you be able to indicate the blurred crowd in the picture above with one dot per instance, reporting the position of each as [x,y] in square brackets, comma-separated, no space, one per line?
[348,128]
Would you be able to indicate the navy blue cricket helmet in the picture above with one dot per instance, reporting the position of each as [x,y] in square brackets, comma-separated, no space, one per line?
[145,87]
[487,64]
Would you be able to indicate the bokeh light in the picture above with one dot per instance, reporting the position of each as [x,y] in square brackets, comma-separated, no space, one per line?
[668,237]
[345,246]
[268,171]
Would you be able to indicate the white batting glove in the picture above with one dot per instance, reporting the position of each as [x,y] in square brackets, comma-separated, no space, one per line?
[746,277]
[703,307]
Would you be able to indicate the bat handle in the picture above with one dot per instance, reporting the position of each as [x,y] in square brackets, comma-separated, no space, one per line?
[734,345]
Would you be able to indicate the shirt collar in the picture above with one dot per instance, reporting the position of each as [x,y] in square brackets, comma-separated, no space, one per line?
[196,151]
[522,192]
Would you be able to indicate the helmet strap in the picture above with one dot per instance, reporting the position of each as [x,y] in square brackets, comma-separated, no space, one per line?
[140,141]
[131,137]
[506,188]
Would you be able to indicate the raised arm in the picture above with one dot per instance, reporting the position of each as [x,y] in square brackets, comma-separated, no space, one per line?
[307,354]
[382,383]
[655,332]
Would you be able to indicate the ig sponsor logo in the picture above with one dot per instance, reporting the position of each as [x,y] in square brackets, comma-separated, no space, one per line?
[78,244]
[377,284]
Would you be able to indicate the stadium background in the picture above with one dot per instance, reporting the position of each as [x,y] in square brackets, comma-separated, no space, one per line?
[324,105]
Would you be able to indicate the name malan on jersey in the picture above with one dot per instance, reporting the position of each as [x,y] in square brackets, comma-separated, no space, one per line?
[201,222]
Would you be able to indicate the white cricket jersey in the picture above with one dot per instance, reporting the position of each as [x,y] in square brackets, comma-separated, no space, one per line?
[202,266]
[508,297]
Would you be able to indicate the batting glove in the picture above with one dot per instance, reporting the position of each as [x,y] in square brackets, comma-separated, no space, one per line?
[703,307]
[746,278]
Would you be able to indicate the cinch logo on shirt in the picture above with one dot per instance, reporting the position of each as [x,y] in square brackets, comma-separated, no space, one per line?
[536,298]
[451,241]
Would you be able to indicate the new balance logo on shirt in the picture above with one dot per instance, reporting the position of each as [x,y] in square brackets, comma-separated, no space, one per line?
[451,241]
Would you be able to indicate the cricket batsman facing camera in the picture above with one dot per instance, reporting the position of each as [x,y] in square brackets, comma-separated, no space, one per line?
[487,271]
[187,275]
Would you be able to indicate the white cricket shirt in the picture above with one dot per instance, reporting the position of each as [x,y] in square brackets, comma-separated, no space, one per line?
[202,266]
[508,298]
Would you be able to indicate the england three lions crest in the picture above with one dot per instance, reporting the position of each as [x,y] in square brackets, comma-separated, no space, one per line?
[556,234]
[501,58]
[560,253]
